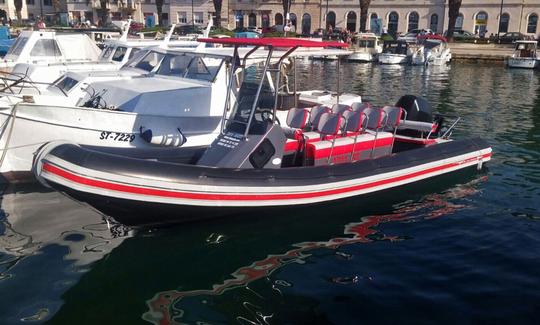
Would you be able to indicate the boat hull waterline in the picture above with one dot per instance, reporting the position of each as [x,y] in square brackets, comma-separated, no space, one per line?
[189,187]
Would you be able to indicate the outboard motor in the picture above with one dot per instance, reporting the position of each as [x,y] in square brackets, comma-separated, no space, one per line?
[417,108]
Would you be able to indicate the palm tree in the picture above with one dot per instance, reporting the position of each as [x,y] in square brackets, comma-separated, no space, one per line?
[217,8]
[159,9]
[364,6]
[18,7]
[453,14]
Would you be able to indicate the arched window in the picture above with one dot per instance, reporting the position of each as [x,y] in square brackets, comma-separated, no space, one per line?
[459,22]
[351,21]
[306,24]
[504,20]
[278,19]
[239,18]
[480,23]
[331,20]
[252,19]
[265,19]
[393,19]
[434,23]
[413,21]
[374,24]
[532,24]
[294,20]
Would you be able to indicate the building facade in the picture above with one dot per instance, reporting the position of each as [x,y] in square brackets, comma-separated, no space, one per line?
[477,16]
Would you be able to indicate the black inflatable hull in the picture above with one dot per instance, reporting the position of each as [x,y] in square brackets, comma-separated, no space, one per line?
[137,191]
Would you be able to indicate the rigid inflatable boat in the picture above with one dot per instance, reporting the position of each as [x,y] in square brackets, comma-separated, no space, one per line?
[322,155]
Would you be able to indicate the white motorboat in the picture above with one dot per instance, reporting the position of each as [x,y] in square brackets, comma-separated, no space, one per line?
[161,98]
[43,47]
[115,54]
[431,50]
[395,52]
[367,48]
[524,55]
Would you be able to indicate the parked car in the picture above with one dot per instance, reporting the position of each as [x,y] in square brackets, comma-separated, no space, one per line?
[411,35]
[511,37]
[460,34]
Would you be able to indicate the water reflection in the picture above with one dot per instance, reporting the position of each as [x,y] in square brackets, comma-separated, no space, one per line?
[173,306]
[47,241]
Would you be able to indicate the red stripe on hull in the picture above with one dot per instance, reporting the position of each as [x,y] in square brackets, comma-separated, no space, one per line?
[238,197]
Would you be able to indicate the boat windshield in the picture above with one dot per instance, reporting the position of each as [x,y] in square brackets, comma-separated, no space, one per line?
[395,48]
[525,50]
[183,65]
[106,53]
[18,46]
[65,83]
[370,43]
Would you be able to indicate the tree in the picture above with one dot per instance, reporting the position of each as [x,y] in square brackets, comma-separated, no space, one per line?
[217,8]
[159,9]
[453,14]
[364,6]
[18,7]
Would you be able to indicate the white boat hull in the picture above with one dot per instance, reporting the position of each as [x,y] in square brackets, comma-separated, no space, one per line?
[362,57]
[524,63]
[386,58]
[92,127]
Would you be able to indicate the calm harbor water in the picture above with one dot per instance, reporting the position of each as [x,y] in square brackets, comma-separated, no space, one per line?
[460,250]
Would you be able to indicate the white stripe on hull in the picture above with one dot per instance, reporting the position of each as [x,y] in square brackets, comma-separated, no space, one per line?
[453,164]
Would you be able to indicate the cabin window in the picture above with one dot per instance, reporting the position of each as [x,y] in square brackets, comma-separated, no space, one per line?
[174,65]
[149,61]
[133,52]
[106,53]
[203,68]
[532,24]
[190,66]
[66,84]
[370,43]
[46,47]
[413,21]
[18,46]
[119,54]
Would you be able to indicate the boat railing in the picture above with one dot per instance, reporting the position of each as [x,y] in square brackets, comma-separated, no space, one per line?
[15,83]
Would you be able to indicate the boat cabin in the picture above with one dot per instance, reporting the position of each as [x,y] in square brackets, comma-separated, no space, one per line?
[35,47]
[525,49]
[396,47]
[367,41]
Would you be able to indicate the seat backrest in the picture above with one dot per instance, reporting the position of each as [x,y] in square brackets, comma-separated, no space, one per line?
[355,121]
[393,116]
[297,118]
[375,118]
[330,123]
[360,106]
[315,116]
[340,108]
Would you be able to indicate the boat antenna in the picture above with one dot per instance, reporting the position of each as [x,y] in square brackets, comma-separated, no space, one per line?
[125,31]
[167,38]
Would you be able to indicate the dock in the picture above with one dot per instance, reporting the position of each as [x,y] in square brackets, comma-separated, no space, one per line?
[480,52]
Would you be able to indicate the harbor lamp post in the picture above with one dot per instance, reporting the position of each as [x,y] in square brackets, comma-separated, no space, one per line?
[500,20]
